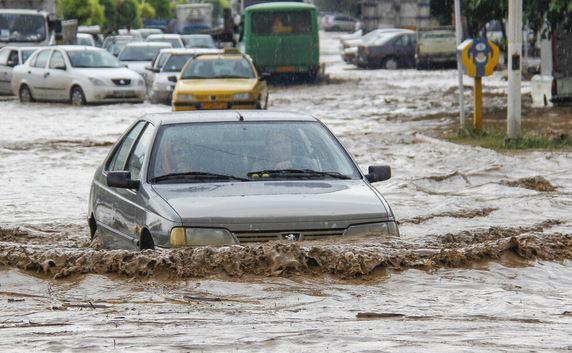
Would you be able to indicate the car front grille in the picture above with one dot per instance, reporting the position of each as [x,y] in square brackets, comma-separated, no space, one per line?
[121,82]
[214,98]
[246,237]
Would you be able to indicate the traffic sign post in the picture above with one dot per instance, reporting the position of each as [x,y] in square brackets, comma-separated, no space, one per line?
[479,58]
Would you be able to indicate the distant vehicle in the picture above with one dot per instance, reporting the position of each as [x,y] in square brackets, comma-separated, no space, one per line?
[130,32]
[78,75]
[11,57]
[174,39]
[136,56]
[554,84]
[94,32]
[350,46]
[435,45]
[194,18]
[198,41]
[282,38]
[339,22]
[115,44]
[243,4]
[170,63]
[85,39]
[225,178]
[393,51]
[220,81]
[28,23]
[146,32]
[355,35]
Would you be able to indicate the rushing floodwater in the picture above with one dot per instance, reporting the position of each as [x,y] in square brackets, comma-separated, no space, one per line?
[434,288]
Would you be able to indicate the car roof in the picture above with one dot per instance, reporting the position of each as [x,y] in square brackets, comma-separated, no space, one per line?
[164,35]
[10,47]
[75,47]
[215,116]
[280,6]
[223,56]
[183,51]
[149,44]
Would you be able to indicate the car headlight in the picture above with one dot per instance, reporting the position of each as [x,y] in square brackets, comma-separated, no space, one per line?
[96,81]
[140,82]
[242,96]
[185,98]
[381,228]
[201,237]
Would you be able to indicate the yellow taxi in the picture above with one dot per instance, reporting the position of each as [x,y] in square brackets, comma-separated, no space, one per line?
[220,81]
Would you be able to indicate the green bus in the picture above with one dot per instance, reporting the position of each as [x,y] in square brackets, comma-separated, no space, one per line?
[282,38]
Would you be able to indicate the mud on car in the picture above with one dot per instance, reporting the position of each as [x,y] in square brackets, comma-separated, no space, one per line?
[230,177]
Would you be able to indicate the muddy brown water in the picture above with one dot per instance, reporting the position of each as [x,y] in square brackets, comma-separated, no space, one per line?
[482,263]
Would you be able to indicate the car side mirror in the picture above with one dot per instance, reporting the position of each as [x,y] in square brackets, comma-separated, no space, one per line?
[61,67]
[150,68]
[121,179]
[11,63]
[264,76]
[378,173]
[172,78]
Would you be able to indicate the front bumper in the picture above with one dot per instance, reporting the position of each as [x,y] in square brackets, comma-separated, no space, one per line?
[184,106]
[161,97]
[99,94]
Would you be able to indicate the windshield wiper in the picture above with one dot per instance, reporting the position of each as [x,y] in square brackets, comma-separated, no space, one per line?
[196,176]
[297,173]
[231,76]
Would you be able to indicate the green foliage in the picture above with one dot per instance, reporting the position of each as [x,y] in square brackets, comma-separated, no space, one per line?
[162,8]
[128,14]
[87,12]
[147,11]
[110,13]
[496,139]
[442,10]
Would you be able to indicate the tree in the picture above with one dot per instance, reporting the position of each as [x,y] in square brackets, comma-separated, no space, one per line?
[162,8]
[147,11]
[87,12]
[128,14]
[442,11]
[110,12]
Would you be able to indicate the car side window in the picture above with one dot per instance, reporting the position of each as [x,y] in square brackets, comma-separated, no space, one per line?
[135,162]
[57,60]
[402,41]
[13,58]
[117,162]
[42,58]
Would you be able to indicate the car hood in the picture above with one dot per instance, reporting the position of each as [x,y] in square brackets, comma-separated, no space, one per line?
[137,66]
[108,73]
[275,205]
[209,86]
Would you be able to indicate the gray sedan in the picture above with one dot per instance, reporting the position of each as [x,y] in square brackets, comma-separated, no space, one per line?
[229,177]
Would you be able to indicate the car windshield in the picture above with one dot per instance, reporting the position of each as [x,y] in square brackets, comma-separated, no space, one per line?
[84,41]
[248,151]
[218,68]
[377,38]
[145,53]
[22,28]
[175,63]
[92,59]
[175,43]
[199,42]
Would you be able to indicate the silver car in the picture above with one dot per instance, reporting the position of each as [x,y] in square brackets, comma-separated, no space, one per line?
[231,177]
[138,55]
[11,57]
[169,62]
[76,74]
[175,39]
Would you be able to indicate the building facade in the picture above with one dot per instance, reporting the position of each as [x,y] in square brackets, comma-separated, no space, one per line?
[396,13]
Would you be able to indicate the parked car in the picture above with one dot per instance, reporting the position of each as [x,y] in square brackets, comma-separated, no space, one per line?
[146,32]
[396,50]
[339,22]
[435,45]
[174,39]
[350,47]
[225,178]
[115,44]
[136,56]
[160,87]
[220,81]
[11,57]
[85,39]
[76,74]
[198,41]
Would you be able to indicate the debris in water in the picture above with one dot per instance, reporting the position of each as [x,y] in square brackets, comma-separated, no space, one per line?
[538,183]
[367,315]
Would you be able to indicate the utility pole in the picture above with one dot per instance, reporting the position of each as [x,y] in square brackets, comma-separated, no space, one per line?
[459,32]
[514,68]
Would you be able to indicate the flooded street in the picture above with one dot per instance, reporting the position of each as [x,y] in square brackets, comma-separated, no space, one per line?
[482,263]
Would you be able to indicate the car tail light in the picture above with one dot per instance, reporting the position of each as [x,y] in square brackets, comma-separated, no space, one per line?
[554,88]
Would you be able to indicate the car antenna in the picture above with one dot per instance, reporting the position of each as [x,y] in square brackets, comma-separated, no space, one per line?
[240,117]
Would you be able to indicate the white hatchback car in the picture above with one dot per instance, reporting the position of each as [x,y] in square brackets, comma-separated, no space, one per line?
[76,74]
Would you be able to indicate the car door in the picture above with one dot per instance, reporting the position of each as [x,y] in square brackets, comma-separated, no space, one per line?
[130,206]
[58,78]
[401,47]
[105,205]
[36,75]
[5,71]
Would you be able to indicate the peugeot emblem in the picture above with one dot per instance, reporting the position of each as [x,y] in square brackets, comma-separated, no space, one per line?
[121,82]
[291,236]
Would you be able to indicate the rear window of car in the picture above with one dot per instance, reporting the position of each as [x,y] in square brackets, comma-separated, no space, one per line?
[147,53]
[175,63]
[42,58]
[282,22]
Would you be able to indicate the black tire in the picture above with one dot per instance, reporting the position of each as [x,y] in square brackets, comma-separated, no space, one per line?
[77,97]
[390,63]
[146,241]
[25,94]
